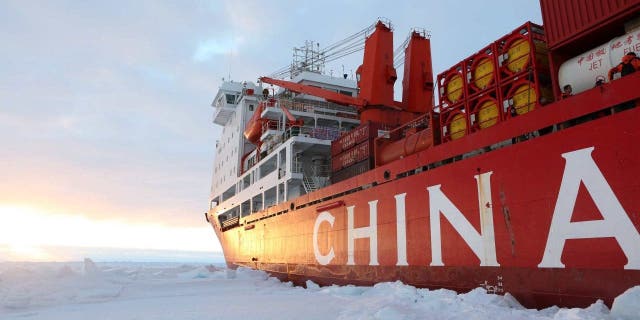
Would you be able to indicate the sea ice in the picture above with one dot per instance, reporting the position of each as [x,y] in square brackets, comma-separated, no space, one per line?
[627,305]
[81,290]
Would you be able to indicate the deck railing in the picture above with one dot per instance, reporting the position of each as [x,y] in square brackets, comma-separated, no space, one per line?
[307,105]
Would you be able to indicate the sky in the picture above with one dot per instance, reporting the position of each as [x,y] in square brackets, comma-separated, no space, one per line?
[106,136]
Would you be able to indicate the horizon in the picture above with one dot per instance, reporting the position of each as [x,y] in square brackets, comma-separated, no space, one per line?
[69,254]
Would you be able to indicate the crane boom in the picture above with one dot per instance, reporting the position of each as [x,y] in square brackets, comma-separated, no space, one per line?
[376,77]
[328,95]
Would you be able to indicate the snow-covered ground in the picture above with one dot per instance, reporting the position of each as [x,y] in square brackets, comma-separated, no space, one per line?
[91,290]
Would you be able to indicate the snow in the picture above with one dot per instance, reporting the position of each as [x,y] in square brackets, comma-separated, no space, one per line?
[627,305]
[106,290]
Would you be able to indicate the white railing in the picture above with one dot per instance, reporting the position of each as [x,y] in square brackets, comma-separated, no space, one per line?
[307,105]
[323,133]
[296,166]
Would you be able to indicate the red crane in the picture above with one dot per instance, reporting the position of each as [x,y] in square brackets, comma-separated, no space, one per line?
[375,103]
[328,95]
[376,77]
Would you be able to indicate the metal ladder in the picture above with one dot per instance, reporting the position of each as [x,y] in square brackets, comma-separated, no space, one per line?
[309,184]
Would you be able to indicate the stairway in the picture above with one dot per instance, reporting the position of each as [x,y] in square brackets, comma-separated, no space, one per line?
[309,184]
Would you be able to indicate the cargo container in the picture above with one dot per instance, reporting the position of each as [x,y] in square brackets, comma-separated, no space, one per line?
[524,95]
[352,171]
[366,131]
[521,51]
[454,123]
[524,82]
[508,77]
[485,111]
[360,152]
[572,22]
[482,71]
[452,86]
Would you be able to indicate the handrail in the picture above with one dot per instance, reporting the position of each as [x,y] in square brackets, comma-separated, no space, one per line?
[296,166]
[307,105]
[230,223]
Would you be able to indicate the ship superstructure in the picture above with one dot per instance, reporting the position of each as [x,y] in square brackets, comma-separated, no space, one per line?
[514,182]
[284,151]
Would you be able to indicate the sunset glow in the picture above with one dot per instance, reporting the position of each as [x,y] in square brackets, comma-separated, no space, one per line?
[25,229]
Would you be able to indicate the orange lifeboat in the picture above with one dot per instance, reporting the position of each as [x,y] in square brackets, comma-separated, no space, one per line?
[253,129]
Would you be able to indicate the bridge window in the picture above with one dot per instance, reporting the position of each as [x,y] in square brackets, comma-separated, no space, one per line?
[245,208]
[268,167]
[270,197]
[256,203]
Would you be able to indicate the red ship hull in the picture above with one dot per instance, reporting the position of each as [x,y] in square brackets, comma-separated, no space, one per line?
[550,220]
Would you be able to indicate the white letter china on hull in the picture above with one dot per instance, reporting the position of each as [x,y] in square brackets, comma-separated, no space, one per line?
[580,167]
[370,232]
[324,216]
[401,230]
[482,244]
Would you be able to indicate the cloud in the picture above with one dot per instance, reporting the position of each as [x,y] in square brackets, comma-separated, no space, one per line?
[236,26]
[104,107]
[103,112]
[208,49]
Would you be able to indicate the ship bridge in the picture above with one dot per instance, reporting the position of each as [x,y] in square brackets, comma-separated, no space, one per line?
[227,99]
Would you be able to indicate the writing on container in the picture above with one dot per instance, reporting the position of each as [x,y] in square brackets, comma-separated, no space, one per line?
[593,59]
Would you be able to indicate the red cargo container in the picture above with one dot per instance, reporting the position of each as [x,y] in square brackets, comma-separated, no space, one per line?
[351,171]
[356,154]
[568,21]
[521,51]
[524,76]
[482,71]
[485,111]
[366,131]
[452,86]
[523,95]
[454,123]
